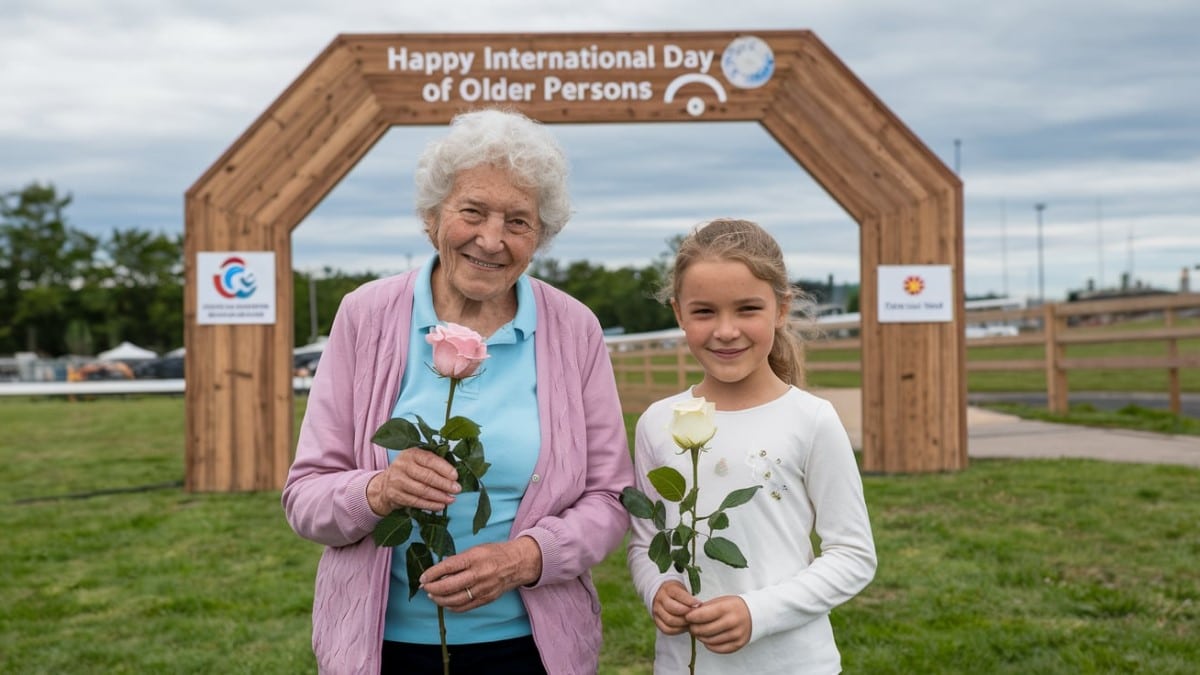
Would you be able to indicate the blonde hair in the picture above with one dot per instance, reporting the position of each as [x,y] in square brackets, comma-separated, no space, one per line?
[743,241]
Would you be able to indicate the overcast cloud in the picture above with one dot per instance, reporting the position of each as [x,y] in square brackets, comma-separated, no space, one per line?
[1089,107]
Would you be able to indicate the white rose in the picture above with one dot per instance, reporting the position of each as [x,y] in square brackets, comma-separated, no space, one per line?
[692,425]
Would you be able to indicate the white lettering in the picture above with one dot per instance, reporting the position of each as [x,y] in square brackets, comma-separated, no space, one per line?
[554,88]
[500,89]
[430,62]
[431,92]
[675,56]
[585,58]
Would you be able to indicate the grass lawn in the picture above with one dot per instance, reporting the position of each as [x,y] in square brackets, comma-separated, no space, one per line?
[1064,566]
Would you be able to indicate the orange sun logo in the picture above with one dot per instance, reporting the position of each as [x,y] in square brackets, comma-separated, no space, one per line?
[914,285]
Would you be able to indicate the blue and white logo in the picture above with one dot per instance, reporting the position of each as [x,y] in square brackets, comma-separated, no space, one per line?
[748,62]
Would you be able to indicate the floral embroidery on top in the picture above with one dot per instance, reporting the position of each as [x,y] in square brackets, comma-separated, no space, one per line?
[722,467]
[768,470]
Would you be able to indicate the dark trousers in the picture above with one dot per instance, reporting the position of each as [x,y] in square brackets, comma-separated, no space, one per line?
[518,656]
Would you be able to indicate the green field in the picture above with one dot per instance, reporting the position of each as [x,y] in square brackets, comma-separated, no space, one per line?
[1006,567]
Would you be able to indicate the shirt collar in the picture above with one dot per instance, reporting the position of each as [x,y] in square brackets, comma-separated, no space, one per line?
[425,317]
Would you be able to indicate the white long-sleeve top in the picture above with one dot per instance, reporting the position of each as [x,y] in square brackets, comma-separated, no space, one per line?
[797,449]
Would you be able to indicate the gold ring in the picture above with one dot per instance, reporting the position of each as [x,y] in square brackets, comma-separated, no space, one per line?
[470,596]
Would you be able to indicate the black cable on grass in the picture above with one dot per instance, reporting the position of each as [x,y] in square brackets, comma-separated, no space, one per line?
[101,493]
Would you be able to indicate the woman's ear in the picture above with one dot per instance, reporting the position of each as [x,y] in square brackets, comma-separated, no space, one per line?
[431,229]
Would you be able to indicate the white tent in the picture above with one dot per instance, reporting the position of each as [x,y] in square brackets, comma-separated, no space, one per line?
[126,351]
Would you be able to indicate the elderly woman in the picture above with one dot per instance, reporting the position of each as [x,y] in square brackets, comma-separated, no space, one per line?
[518,595]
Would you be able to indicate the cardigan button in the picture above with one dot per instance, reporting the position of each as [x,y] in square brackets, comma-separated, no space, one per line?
[535,478]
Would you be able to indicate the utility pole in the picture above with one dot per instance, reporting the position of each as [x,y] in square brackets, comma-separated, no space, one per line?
[1039,207]
[1004,243]
[1100,241]
[312,307]
[957,155]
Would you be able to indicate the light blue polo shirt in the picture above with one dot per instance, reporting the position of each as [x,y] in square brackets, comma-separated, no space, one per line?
[502,400]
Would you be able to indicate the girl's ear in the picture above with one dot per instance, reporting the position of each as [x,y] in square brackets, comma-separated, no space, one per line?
[675,308]
[785,311]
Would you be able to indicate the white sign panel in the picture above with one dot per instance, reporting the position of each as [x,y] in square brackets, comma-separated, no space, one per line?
[915,293]
[235,287]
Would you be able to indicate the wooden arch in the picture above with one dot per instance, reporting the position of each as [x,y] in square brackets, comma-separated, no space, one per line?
[907,203]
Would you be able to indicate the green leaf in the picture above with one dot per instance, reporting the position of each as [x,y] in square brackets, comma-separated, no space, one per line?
[689,502]
[468,448]
[426,430]
[718,520]
[669,483]
[471,468]
[437,537]
[474,465]
[694,578]
[457,428]
[636,502]
[426,517]
[397,434]
[660,551]
[483,510]
[394,529]
[417,559]
[681,557]
[738,497]
[660,514]
[682,535]
[723,550]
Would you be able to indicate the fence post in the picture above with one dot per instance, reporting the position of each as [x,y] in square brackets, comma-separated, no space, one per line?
[1173,385]
[1056,377]
[681,354]
[647,369]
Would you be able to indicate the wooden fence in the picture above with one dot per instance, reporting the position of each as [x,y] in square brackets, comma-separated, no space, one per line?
[652,366]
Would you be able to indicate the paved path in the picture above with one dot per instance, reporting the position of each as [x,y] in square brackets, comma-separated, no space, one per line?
[993,434]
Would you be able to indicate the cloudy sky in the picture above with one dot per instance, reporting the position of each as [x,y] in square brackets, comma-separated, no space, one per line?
[1091,108]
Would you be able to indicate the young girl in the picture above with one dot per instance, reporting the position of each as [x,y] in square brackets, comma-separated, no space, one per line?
[731,296]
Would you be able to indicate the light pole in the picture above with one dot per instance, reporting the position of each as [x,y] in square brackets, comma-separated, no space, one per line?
[1039,207]
[312,307]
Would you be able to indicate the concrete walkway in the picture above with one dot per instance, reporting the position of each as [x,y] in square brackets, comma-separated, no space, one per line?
[993,434]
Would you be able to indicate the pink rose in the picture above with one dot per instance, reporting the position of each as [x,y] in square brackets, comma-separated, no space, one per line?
[457,350]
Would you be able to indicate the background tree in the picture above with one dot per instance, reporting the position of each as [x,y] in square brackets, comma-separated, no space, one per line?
[41,258]
[330,286]
[143,274]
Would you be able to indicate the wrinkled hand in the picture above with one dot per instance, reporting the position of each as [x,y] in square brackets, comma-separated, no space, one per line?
[721,624]
[670,608]
[487,570]
[417,478]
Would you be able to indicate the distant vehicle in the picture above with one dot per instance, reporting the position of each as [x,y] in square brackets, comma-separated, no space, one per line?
[101,370]
[305,364]
[164,368]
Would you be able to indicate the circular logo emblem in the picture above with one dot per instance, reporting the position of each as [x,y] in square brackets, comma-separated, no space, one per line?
[234,280]
[748,62]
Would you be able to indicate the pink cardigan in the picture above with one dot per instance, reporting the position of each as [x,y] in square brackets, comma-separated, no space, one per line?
[570,507]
